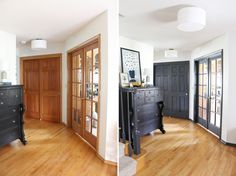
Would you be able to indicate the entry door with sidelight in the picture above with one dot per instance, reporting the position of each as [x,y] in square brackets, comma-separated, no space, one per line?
[85,92]
[209,90]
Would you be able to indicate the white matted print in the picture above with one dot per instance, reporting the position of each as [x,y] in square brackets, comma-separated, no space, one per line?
[131,64]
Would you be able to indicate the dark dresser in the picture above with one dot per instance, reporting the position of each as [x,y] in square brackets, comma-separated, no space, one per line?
[140,113]
[11,114]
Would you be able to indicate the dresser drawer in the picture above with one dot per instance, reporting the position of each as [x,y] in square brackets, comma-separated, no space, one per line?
[3,94]
[9,111]
[15,97]
[9,122]
[149,93]
[9,135]
[150,99]
[140,97]
[3,102]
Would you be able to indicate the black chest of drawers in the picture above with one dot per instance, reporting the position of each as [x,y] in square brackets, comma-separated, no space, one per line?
[140,113]
[11,114]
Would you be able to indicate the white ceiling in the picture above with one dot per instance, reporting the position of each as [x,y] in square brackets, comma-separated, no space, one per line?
[53,20]
[154,21]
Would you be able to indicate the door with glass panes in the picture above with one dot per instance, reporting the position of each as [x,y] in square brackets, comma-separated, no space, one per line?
[85,92]
[210,92]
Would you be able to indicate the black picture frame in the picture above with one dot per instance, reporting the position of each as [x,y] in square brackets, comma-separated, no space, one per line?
[134,74]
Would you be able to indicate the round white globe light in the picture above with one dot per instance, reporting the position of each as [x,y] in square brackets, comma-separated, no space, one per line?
[38,44]
[191,19]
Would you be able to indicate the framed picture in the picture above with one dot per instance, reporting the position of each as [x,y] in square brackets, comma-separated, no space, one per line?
[124,79]
[130,63]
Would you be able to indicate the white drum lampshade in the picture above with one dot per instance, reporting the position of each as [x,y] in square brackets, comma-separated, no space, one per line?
[38,44]
[191,19]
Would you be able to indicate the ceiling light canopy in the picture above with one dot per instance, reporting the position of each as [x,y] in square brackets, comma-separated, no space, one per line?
[191,19]
[38,44]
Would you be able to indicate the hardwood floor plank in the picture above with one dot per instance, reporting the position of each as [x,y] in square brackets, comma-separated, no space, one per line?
[186,150]
[52,150]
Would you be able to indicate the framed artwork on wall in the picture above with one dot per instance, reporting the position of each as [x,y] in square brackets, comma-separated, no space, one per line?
[130,63]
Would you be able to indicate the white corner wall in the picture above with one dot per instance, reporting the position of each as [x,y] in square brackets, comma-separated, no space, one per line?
[106,24]
[209,47]
[146,52]
[8,55]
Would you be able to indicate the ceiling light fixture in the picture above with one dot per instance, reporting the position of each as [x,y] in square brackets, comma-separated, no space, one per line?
[38,44]
[171,53]
[191,19]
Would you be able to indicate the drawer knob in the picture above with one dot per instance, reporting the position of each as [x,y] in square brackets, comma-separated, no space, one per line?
[1,93]
[13,121]
[14,110]
[16,96]
[1,103]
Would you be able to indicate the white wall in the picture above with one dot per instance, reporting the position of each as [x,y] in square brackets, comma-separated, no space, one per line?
[146,53]
[106,25]
[227,117]
[159,56]
[8,55]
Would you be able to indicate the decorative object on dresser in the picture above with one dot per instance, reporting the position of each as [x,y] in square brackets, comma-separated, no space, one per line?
[130,62]
[11,114]
[140,114]
[124,80]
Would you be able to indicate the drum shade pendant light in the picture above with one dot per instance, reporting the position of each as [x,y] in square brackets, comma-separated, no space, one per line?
[38,44]
[191,19]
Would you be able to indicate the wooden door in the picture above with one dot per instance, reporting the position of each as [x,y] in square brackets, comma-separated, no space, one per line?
[42,87]
[85,72]
[31,72]
[50,89]
[91,104]
[173,80]
[77,91]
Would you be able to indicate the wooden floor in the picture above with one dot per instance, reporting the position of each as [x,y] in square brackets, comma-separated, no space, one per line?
[52,150]
[186,150]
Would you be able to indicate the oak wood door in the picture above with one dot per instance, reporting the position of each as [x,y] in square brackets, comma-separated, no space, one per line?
[91,103]
[77,91]
[85,73]
[31,74]
[50,89]
[42,87]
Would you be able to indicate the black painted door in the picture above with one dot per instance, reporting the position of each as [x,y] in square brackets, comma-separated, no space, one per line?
[173,79]
[209,92]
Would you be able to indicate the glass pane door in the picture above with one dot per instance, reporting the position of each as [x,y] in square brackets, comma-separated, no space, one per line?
[92,92]
[215,94]
[77,91]
[209,92]
[202,92]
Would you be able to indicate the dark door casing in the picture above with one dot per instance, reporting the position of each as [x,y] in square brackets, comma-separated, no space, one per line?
[173,79]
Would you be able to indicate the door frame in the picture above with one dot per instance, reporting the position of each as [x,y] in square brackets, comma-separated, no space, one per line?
[195,104]
[175,62]
[92,40]
[40,57]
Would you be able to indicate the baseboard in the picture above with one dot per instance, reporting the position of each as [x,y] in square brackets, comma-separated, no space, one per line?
[228,143]
[107,161]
